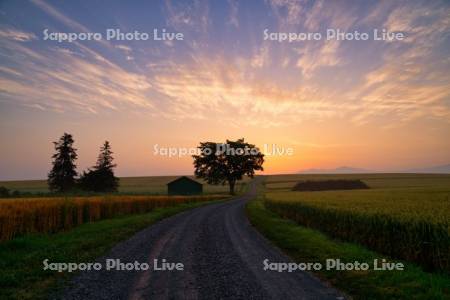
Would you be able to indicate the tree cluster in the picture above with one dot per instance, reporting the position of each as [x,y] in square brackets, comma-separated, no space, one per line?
[63,175]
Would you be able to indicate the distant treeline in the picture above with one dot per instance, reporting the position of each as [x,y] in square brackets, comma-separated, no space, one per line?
[6,193]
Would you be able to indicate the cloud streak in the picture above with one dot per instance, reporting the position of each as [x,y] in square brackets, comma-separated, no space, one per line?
[268,85]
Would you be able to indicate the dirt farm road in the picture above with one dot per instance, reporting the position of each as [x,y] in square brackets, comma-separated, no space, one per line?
[222,256]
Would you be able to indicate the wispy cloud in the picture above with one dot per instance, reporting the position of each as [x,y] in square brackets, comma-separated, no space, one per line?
[124,48]
[261,57]
[59,16]
[127,50]
[215,86]
[323,55]
[234,11]
[16,35]
[68,81]
[192,15]
[288,12]
[69,22]
[266,85]
[412,81]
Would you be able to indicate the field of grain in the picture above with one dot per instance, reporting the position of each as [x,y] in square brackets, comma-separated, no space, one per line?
[405,216]
[154,185]
[48,215]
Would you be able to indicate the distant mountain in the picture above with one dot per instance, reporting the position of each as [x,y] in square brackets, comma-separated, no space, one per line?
[443,169]
[339,170]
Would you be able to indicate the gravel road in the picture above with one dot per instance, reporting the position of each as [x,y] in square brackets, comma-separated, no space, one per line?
[222,256]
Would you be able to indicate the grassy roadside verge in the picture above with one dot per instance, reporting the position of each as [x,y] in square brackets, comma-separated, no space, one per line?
[21,273]
[307,245]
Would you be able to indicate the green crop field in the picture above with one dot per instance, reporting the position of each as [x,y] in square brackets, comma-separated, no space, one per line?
[155,185]
[405,216]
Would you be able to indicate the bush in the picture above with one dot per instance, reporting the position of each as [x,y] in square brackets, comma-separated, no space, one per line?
[4,192]
[102,180]
[324,185]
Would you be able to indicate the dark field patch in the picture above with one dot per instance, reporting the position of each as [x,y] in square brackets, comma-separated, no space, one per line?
[327,185]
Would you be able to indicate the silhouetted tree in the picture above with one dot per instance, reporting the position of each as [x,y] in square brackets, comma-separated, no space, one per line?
[227,163]
[101,177]
[62,176]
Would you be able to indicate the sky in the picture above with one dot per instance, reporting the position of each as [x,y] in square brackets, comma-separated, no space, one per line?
[378,105]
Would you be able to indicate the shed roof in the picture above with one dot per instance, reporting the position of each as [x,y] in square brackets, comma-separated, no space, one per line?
[184,178]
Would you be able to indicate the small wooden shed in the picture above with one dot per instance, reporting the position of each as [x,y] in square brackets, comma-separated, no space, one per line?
[184,186]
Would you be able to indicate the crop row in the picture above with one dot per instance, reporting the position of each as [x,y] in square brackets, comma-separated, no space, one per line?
[48,215]
[426,243]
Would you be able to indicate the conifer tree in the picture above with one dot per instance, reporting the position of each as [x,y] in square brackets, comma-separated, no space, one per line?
[101,177]
[62,175]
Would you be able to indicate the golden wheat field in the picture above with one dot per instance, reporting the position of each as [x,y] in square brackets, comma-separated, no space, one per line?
[20,216]
[403,216]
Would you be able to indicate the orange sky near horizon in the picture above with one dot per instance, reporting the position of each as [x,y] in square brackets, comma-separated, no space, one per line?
[133,138]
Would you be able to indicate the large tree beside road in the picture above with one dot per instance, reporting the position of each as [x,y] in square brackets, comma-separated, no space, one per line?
[227,163]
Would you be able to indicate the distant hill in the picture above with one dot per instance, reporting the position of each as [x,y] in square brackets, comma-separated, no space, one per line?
[339,170]
[442,169]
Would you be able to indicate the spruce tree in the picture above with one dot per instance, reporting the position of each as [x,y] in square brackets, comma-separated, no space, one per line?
[62,175]
[104,160]
[101,177]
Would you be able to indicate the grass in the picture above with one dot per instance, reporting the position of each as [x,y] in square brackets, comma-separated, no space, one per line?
[153,185]
[308,245]
[21,259]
